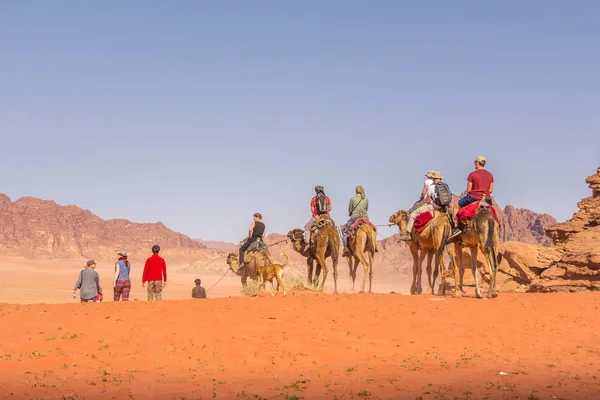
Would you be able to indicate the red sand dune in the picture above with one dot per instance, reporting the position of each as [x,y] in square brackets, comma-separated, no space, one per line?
[307,346]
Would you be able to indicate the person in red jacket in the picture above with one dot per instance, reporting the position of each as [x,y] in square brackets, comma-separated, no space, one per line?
[155,273]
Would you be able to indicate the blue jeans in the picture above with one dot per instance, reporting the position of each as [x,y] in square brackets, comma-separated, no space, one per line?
[465,201]
[346,229]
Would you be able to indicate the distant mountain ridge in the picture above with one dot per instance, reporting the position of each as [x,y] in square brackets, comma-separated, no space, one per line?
[37,228]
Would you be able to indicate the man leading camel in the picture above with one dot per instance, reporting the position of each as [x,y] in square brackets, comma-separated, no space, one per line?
[256,232]
[429,206]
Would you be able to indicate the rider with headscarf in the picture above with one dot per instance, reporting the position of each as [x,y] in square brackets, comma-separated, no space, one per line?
[357,208]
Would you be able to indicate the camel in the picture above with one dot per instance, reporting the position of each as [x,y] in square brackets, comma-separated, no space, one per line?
[260,258]
[362,241]
[326,244]
[431,241]
[481,232]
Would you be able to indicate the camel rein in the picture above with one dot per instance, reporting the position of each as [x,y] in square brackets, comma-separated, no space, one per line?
[220,279]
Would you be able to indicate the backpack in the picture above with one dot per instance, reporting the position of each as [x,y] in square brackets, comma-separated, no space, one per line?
[443,194]
[321,204]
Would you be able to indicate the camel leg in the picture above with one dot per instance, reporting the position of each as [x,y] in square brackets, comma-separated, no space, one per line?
[452,248]
[420,271]
[359,244]
[244,278]
[371,261]
[430,281]
[309,266]
[415,256]
[351,272]
[321,262]
[440,265]
[461,270]
[334,248]
[475,271]
[489,257]
[335,276]
[318,269]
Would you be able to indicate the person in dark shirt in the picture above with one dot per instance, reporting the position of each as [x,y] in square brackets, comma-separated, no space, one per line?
[198,292]
[256,232]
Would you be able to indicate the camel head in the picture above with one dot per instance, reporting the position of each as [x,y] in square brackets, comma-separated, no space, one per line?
[297,238]
[232,261]
[400,218]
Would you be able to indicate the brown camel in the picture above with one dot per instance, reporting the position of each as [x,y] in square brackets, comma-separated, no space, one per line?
[260,258]
[481,232]
[326,244]
[362,241]
[431,241]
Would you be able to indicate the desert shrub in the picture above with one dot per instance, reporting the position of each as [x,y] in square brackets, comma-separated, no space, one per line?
[291,283]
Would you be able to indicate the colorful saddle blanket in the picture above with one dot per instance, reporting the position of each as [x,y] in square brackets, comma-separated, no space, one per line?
[360,221]
[468,212]
[422,220]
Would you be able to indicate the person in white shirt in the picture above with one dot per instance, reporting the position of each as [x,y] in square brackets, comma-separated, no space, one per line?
[428,206]
[421,201]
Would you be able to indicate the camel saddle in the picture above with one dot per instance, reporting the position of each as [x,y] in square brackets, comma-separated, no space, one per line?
[255,247]
[357,223]
[321,221]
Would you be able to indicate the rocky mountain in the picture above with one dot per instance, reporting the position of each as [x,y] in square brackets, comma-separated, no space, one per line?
[35,228]
[522,225]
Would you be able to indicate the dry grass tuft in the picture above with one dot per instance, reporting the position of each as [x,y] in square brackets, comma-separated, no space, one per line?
[293,283]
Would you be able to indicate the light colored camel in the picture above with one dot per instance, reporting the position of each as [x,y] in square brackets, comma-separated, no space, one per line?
[479,233]
[260,258]
[362,242]
[429,243]
[326,244]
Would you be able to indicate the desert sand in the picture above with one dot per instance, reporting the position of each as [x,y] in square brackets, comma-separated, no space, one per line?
[305,345]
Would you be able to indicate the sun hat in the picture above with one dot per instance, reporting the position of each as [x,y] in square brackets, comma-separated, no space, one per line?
[122,253]
[436,175]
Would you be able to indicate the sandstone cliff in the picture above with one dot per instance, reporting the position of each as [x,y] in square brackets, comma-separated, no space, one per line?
[522,225]
[36,228]
[578,240]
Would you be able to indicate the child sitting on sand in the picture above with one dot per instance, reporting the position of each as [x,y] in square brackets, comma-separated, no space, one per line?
[198,292]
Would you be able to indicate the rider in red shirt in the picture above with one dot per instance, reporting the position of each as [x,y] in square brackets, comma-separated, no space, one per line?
[317,210]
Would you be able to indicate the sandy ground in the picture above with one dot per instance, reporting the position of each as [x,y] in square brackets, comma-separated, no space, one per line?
[305,345]
[26,281]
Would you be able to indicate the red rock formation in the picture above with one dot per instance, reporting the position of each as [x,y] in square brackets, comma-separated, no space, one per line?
[36,228]
[578,240]
[522,225]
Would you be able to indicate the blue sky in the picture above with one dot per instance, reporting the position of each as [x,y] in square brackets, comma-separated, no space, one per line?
[200,113]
